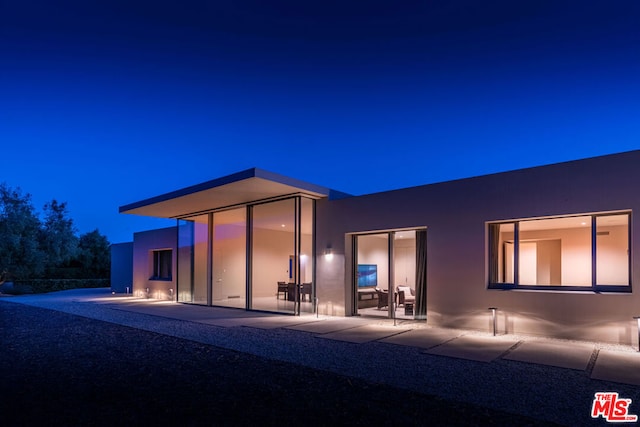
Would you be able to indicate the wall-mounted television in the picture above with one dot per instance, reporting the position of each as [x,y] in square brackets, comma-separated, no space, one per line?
[367,275]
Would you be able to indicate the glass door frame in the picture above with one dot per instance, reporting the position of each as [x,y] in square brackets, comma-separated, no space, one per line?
[296,267]
[299,212]
[391,234]
[390,271]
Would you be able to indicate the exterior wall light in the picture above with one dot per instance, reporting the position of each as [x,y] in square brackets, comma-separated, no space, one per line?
[328,253]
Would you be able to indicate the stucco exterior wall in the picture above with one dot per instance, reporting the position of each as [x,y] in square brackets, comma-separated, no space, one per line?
[143,244]
[456,215]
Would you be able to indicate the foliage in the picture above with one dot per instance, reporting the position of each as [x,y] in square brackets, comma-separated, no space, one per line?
[52,285]
[94,255]
[58,239]
[20,253]
[31,248]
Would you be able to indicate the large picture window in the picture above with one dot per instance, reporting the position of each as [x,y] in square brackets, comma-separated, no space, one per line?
[581,252]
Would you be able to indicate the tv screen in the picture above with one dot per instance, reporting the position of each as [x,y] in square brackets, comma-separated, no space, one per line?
[367,275]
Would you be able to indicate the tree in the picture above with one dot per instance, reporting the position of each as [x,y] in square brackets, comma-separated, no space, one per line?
[58,238]
[94,255]
[20,253]
[35,249]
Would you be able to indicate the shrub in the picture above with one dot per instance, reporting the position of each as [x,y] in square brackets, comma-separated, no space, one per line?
[38,286]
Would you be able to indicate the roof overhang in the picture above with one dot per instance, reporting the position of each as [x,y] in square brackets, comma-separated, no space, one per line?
[249,186]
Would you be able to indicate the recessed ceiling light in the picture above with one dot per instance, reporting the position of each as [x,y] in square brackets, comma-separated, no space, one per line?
[282,225]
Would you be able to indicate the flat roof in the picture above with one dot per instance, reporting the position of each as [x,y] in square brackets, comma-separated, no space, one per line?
[240,188]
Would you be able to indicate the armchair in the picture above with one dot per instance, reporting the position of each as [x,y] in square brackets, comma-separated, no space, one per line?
[406,294]
[383,298]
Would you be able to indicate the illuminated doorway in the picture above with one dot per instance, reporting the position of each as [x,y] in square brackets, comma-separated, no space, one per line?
[257,257]
[390,274]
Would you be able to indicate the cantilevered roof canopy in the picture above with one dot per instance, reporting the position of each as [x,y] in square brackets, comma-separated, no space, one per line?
[240,188]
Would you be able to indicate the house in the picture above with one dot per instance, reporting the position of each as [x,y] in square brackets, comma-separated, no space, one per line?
[551,248]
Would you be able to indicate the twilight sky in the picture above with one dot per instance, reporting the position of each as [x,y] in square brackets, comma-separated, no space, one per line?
[104,103]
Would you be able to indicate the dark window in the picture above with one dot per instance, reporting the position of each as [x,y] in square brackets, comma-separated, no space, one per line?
[161,263]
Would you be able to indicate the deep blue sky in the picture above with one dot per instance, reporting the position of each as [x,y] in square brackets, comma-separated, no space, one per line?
[104,103]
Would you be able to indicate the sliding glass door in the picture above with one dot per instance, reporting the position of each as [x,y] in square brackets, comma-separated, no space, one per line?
[193,238]
[390,274]
[306,255]
[273,241]
[372,284]
[229,258]
[273,261]
[282,267]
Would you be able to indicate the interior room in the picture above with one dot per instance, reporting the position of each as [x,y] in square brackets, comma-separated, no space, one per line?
[275,263]
[278,272]
[560,251]
[372,274]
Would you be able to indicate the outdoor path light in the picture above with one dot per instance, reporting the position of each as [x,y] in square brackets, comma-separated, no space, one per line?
[638,320]
[493,314]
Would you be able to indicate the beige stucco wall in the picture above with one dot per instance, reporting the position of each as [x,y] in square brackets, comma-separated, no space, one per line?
[456,213]
[143,243]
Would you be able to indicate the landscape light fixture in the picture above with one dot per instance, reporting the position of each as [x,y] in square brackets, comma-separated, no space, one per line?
[638,320]
[493,314]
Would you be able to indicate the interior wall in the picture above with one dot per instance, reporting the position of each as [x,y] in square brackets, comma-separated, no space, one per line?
[405,262]
[306,268]
[200,268]
[575,258]
[374,249]
[200,264]
[549,262]
[540,263]
[229,262]
[612,256]
[528,256]
[271,252]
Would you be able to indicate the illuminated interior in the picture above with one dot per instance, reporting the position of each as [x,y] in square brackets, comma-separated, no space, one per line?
[562,251]
[229,258]
[281,250]
[373,257]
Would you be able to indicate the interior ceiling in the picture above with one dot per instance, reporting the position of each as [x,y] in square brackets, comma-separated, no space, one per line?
[408,234]
[401,234]
[572,222]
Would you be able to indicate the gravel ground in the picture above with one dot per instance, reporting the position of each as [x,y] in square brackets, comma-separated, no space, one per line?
[67,369]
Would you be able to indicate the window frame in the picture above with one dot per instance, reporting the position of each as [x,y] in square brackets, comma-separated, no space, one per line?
[156,264]
[594,287]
